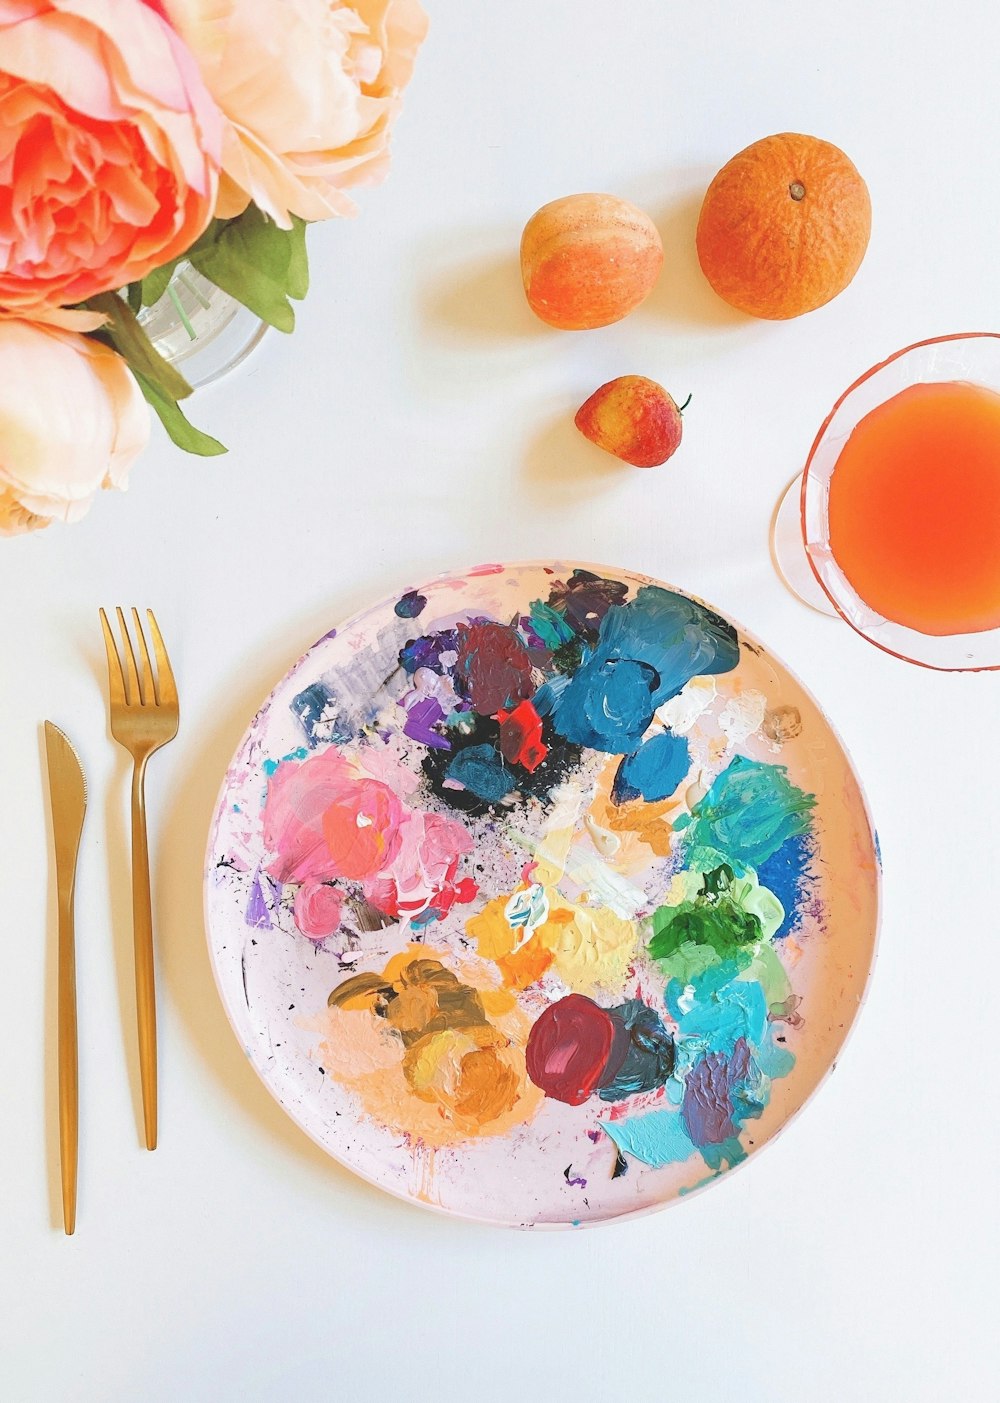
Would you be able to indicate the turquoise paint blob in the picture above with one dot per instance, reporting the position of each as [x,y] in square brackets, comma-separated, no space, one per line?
[750,810]
[657,1138]
[655,770]
[269,766]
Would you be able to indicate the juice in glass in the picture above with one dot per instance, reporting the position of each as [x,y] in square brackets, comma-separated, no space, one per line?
[914,508]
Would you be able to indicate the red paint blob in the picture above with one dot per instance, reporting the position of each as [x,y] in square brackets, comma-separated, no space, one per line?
[568,1049]
[521,737]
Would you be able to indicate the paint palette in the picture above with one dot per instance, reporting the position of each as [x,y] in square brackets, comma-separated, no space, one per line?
[541,894]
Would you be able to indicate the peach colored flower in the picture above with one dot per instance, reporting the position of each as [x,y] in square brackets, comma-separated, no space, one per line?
[309,89]
[109,149]
[72,420]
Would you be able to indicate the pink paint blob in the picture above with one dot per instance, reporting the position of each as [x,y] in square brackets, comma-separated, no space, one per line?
[317,909]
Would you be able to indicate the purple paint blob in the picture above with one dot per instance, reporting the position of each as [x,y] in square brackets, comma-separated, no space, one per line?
[257,916]
[421,718]
[706,1108]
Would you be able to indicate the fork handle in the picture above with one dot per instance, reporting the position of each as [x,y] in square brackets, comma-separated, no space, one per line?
[142,934]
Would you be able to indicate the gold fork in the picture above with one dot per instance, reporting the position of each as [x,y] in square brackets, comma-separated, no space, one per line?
[144,716]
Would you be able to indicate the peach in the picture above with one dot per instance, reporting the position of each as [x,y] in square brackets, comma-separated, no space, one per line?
[633,418]
[589,260]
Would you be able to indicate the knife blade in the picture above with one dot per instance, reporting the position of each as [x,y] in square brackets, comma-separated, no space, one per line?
[68,799]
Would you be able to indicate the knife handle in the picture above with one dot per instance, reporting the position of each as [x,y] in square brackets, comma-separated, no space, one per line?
[68,1074]
[142,938]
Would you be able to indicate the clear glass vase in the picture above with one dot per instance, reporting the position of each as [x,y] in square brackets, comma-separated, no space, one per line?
[200,329]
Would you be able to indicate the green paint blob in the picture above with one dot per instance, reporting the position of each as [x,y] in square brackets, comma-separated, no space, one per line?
[750,810]
[714,921]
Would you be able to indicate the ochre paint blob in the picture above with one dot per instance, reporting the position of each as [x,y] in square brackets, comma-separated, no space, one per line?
[915,508]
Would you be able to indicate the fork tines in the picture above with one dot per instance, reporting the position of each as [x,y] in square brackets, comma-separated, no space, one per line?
[135,686]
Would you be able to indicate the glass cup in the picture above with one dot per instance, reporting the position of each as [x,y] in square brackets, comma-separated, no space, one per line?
[200,329]
[800,531]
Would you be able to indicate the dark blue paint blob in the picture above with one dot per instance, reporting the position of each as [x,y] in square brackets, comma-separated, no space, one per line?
[411,604]
[655,770]
[645,652]
[786,873]
[426,651]
[480,769]
[642,1055]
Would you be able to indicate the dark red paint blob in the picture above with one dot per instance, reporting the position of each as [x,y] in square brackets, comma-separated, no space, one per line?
[521,737]
[568,1049]
[493,667]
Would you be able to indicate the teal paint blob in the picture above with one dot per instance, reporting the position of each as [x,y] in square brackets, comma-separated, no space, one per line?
[481,770]
[750,810]
[550,626]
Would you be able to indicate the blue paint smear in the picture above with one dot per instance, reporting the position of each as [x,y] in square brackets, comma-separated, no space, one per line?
[786,873]
[481,770]
[309,707]
[655,770]
[645,652]
[750,810]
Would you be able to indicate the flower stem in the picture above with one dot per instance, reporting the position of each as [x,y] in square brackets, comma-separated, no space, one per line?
[172,294]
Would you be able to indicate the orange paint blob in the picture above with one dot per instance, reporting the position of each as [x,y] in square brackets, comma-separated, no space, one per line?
[915,508]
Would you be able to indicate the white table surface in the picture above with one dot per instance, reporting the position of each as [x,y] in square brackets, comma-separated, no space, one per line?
[418,420]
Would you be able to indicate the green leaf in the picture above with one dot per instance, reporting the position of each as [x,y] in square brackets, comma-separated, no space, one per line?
[256,262]
[172,417]
[154,284]
[134,295]
[129,339]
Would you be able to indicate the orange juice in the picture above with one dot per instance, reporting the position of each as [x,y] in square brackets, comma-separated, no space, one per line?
[915,508]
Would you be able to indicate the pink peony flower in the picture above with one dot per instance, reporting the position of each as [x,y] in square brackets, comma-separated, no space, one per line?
[72,420]
[309,89]
[109,149]
[317,909]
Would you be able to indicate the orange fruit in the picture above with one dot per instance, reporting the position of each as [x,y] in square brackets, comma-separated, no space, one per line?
[784,226]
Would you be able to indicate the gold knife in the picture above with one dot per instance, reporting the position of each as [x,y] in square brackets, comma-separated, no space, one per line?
[68,797]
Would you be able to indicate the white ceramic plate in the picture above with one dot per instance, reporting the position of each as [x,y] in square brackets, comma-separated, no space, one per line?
[541,894]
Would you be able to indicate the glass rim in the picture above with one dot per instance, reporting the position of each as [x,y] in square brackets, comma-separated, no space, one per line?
[806,478]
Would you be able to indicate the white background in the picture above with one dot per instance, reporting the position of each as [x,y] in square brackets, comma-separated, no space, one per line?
[419,420]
